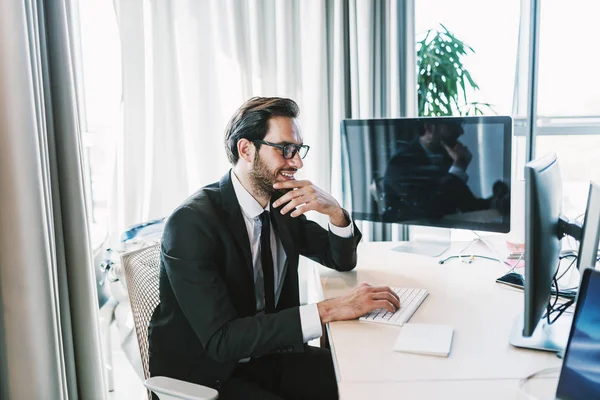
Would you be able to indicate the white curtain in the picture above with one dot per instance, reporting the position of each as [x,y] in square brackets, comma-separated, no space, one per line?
[49,341]
[374,76]
[189,64]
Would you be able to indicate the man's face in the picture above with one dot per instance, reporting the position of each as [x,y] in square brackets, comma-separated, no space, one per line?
[449,134]
[436,134]
[269,165]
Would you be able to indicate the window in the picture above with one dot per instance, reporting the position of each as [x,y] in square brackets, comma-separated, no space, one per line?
[568,93]
[100,105]
[568,59]
[568,98]
[491,29]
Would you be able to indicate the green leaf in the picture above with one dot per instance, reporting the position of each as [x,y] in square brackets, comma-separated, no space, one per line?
[442,80]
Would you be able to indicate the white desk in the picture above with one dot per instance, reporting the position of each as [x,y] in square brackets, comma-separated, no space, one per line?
[482,363]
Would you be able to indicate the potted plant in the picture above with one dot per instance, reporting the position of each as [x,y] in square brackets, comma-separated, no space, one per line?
[442,78]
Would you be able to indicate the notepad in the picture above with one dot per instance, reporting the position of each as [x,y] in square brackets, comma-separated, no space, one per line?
[435,340]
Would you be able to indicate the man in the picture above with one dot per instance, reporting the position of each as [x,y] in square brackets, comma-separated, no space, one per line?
[427,177]
[229,315]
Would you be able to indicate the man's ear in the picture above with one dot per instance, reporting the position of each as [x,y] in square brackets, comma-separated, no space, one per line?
[246,150]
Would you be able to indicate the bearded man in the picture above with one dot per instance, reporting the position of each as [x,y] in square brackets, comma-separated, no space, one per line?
[229,315]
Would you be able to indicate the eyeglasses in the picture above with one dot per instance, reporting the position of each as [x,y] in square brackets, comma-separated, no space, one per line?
[289,150]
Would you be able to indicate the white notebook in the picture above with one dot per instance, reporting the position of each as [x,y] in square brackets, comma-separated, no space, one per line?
[427,339]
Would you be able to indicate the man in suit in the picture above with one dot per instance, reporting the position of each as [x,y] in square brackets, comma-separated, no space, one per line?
[427,178]
[229,315]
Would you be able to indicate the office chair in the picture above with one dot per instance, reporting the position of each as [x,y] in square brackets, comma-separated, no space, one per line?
[114,299]
[141,269]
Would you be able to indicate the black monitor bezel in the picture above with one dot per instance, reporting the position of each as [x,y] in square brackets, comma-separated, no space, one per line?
[542,237]
[506,121]
[593,198]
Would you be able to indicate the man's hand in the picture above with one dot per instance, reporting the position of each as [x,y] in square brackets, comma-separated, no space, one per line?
[304,196]
[361,300]
[460,154]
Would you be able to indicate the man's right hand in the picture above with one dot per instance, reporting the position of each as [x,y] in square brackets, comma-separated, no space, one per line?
[361,300]
[460,154]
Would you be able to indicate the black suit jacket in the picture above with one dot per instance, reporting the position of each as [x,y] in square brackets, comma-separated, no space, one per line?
[206,320]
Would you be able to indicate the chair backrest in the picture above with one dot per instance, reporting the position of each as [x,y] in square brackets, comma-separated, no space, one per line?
[141,275]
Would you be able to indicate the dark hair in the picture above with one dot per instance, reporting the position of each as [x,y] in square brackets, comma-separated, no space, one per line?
[454,126]
[251,121]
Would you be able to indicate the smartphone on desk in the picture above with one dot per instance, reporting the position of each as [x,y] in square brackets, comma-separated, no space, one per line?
[517,280]
[513,279]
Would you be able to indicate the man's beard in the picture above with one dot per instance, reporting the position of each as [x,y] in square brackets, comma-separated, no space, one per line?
[262,179]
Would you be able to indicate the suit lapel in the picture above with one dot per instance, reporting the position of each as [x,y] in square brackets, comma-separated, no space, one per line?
[235,222]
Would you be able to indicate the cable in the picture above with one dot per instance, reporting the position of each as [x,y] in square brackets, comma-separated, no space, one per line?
[533,375]
[467,246]
[555,281]
[460,253]
[489,246]
[550,307]
[562,308]
[516,265]
[470,258]
[568,268]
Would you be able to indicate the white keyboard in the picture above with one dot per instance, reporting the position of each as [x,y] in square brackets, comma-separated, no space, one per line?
[410,300]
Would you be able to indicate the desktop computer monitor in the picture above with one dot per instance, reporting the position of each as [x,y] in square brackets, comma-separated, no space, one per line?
[448,172]
[587,255]
[543,206]
[544,228]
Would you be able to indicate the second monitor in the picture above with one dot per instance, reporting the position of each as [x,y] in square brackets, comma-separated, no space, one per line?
[450,172]
[540,328]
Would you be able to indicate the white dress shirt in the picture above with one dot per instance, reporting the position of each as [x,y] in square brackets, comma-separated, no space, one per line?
[251,210]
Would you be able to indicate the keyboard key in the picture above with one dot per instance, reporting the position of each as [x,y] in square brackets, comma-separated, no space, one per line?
[410,300]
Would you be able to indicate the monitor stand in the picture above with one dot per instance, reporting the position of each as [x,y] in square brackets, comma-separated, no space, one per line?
[545,337]
[426,241]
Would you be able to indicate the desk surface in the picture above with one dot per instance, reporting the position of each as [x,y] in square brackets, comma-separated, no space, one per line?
[462,295]
[498,389]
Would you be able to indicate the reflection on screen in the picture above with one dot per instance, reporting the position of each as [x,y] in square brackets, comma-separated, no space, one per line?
[449,172]
[580,375]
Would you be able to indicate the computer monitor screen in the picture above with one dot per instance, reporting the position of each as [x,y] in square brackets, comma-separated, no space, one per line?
[580,374]
[588,247]
[543,203]
[451,172]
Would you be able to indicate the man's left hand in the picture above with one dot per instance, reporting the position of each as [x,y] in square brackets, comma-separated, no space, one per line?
[460,154]
[304,196]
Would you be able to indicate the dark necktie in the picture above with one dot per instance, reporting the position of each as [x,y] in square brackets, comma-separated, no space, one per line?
[266,259]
